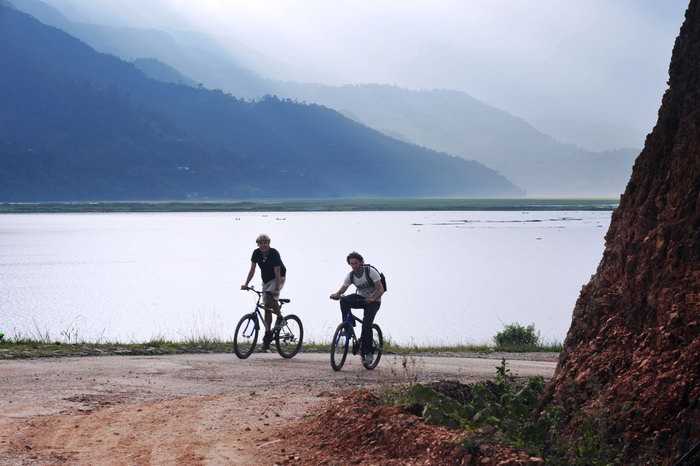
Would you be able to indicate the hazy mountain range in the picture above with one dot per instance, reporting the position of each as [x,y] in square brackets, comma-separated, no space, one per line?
[456,123]
[447,121]
[76,124]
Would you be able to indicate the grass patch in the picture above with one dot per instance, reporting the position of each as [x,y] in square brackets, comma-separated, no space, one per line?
[518,338]
[505,411]
[27,347]
[40,343]
[320,205]
[31,347]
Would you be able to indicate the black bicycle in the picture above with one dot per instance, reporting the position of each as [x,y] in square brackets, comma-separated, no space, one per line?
[287,332]
[345,335]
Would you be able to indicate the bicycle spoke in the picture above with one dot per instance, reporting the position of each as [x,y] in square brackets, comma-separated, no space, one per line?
[289,337]
[246,336]
[339,347]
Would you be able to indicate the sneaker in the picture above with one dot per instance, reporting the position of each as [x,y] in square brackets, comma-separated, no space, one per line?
[367,359]
[266,343]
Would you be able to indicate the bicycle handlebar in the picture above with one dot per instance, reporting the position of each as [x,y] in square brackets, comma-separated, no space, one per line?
[252,288]
[259,293]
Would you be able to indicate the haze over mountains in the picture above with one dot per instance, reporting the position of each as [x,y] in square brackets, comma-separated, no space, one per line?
[79,125]
[589,73]
[456,123]
[447,121]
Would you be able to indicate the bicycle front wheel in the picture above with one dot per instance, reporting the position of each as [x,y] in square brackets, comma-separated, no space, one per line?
[289,337]
[246,336]
[339,347]
[377,347]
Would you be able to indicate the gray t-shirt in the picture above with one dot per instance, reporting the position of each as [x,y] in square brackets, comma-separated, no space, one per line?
[364,287]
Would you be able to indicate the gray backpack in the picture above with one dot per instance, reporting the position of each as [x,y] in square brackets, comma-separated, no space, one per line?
[381,275]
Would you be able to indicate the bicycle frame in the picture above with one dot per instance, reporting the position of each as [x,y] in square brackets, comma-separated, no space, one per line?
[259,306]
[349,320]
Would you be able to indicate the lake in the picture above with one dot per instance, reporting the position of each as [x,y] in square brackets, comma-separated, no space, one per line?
[453,277]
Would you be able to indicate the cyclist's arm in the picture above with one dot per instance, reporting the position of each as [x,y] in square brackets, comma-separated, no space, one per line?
[342,289]
[378,291]
[251,272]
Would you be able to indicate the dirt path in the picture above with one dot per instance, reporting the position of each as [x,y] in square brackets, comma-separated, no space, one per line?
[187,409]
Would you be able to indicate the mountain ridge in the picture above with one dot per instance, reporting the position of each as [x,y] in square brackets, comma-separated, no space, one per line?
[69,108]
[472,129]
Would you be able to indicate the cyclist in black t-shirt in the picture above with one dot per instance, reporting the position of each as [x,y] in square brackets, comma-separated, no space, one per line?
[273,274]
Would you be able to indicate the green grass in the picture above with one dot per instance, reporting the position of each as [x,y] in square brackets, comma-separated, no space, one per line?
[311,205]
[41,343]
[31,347]
[554,347]
[507,410]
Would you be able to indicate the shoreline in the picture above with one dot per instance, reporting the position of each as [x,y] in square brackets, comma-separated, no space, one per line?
[317,205]
[38,350]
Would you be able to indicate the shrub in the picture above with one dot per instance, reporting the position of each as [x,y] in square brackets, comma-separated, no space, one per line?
[516,335]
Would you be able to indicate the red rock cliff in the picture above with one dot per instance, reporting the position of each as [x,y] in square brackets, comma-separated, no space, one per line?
[632,355]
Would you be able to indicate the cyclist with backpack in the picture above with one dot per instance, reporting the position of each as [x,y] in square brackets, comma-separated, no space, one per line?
[370,285]
[273,274]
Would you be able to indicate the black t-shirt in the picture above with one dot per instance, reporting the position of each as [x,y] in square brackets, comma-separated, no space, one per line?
[267,264]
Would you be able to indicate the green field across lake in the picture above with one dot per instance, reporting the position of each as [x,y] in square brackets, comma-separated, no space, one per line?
[320,205]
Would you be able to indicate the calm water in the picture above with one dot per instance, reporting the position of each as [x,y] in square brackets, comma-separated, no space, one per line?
[452,276]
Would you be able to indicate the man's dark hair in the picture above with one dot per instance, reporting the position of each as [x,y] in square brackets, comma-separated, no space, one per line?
[355,255]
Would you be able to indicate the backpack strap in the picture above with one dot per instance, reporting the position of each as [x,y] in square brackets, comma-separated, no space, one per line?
[365,268]
[382,278]
[369,279]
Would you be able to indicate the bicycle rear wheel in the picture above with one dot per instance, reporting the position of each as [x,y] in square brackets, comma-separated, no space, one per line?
[377,347]
[339,346]
[289,337]
[246,336]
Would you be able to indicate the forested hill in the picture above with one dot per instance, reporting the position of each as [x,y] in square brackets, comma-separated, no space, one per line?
[443,120]
[79,125]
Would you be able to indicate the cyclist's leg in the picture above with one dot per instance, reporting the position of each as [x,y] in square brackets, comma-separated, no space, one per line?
[371,310]
[269,302]
[275,304]
[268,322]
[351,301]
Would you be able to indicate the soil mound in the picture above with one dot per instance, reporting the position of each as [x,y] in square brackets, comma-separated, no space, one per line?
[630,368]
[359,429]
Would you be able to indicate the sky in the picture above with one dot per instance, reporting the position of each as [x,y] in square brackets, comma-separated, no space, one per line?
[588,72]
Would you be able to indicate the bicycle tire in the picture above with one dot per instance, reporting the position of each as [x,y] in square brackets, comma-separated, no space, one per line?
[243,342]
[285,334]
[377,347]
[339,347]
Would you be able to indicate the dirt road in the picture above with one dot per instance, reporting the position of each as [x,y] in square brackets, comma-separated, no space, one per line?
[188,409]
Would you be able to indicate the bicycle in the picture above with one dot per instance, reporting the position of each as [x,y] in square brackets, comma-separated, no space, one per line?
[344,334]
[287,333]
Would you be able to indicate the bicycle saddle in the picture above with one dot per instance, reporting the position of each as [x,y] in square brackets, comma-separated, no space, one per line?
[284,300]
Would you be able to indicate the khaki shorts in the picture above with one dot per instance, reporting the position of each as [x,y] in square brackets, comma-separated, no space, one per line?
[270,297]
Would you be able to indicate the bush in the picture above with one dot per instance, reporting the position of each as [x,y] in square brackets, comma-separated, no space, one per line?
[516,335]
